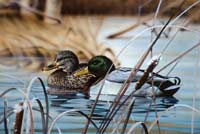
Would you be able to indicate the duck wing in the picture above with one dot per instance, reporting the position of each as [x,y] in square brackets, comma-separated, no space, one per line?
[166,84]
[120,75]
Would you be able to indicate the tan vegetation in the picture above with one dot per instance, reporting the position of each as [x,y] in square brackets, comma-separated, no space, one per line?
[33,38]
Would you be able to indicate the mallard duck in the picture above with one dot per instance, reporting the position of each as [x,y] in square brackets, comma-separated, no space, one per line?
[64,81]
[70,76]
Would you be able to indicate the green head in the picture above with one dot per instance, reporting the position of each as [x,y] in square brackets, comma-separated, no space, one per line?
[98,66]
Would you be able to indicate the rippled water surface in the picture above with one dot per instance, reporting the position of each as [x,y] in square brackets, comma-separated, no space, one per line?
[177,120]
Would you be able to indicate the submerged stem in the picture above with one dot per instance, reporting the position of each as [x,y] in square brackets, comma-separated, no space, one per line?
[5,118]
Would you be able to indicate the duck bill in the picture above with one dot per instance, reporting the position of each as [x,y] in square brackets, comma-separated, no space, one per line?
[81,72]
[51,67]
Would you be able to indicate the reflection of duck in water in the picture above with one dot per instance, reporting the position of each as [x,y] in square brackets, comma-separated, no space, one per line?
[70,76]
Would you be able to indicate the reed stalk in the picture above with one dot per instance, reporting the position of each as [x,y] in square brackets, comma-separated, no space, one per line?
[18,119]
[5,118]
[168,109]
[132,75]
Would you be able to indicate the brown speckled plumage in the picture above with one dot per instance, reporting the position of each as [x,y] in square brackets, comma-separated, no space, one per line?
[61,80]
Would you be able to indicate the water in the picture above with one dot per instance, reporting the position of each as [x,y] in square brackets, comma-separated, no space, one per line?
[178,120]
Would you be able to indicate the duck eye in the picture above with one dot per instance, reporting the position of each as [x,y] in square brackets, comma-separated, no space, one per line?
[95,62]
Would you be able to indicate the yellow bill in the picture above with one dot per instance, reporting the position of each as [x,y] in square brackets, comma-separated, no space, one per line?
[82,72]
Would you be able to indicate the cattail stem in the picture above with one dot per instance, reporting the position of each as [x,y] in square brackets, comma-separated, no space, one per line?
[18,119]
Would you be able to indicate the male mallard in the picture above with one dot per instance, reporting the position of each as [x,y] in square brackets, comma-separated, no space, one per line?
[70,76]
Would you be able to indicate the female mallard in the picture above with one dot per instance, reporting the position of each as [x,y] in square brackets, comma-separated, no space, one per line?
[70,76]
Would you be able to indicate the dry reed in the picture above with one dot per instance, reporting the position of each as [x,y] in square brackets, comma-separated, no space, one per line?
[37,39]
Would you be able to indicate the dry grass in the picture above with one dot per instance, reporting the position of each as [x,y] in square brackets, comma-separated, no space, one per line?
[30,37]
